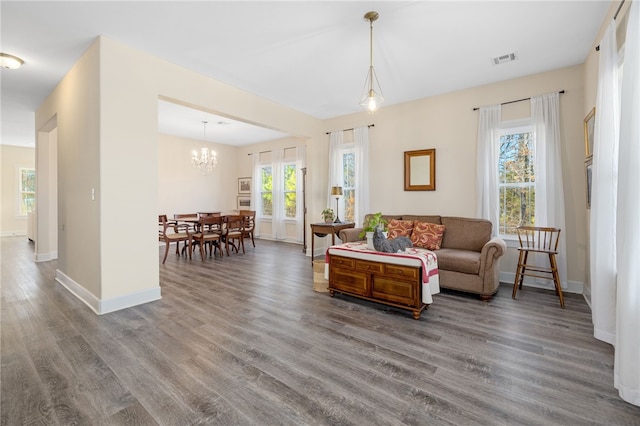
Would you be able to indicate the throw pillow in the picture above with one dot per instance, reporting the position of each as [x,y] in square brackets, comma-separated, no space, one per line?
[399,228]
[427,235]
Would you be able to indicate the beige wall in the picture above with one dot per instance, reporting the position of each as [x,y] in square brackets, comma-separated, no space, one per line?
[11,159]
[449,124]
[75,102]
[183,189]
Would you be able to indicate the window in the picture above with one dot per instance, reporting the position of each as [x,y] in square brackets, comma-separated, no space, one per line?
[27,190]
[516,175]
[290,191]
[349,184]
[266,191]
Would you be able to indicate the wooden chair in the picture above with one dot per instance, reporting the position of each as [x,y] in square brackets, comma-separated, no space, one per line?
[234,231]
[172,232]
[209,233]
[538,240]
[249,224]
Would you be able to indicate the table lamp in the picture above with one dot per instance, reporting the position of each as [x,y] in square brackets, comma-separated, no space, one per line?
[337,191]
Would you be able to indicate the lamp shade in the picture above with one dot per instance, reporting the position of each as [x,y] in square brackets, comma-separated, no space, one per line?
[336,190]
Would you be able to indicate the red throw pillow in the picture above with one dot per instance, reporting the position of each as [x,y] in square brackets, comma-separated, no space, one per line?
[427,235]
[399,228]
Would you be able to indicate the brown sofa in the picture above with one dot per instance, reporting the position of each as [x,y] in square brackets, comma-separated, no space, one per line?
[468,259]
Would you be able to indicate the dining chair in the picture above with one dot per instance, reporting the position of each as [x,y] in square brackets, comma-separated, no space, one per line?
[542,240]
[234,231]
[190,219]
[172,232]
[209,233]
[249,223]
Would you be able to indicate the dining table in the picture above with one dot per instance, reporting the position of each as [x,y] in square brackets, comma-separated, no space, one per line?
[194,219]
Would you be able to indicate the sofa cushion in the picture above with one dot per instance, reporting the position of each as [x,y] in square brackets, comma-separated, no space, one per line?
[399,228]
[464,261]
[427,218]
[466,233]
[427,235]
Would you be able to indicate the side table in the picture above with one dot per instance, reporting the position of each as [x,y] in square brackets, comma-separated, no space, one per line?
[323,229]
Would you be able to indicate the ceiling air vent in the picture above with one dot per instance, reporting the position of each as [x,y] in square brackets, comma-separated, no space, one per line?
[504,58]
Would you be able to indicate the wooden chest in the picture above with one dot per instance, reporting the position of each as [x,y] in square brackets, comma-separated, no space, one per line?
[393,285]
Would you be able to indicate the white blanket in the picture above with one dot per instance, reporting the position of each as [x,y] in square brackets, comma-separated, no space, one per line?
[412,256]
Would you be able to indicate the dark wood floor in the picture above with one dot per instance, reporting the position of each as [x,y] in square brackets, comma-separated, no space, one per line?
[245,340]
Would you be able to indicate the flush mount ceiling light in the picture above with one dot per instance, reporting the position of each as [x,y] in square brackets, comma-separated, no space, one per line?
[372,92]
[207,160]
[10,62]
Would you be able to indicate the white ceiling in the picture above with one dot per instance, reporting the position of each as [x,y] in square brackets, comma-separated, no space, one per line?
[309,55]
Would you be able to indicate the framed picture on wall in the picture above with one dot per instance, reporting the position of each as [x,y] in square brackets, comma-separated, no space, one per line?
[244,185]
[420,170]
[589,127]
[244,202]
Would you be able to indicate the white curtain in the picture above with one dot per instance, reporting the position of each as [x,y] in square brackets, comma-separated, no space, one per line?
[627,341]
[256,197]
[361,149]
[487,205]
[549,211]
[604,191]
[336,177]
[301,158]
[278,223]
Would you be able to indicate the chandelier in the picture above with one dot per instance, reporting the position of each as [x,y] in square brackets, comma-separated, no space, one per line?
[372,92]
[207,160]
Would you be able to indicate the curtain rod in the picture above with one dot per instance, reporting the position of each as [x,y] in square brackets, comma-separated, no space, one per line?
[262,152]
[615,16]
[518,100]
[346,130]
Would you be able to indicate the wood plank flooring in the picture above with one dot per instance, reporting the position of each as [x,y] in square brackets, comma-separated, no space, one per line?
[245,340]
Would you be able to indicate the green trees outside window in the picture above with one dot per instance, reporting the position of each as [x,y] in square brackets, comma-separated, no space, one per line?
[27,191]
[348,185]
[289,190]
[516,181]
[266,191]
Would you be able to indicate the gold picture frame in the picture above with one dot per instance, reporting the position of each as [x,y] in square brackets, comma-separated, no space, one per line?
[589,130]
[588,177]
[420,170]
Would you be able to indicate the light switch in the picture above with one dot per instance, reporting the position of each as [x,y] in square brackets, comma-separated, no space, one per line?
[93,194]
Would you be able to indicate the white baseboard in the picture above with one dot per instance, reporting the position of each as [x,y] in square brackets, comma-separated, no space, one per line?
[45,257]
[587,295]
[13,233]
[101,307]
[576,287]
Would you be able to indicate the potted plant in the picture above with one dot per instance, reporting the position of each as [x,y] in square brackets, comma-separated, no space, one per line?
[373,222]
[327,215]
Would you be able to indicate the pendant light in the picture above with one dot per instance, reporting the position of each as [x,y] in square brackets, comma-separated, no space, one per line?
[372,93]
[207,160]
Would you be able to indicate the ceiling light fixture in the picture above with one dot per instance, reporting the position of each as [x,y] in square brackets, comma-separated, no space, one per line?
[372,92]
[207,160]
[10,62]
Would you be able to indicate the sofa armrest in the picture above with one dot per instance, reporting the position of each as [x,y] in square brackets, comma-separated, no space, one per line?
[350,235]
[489,264]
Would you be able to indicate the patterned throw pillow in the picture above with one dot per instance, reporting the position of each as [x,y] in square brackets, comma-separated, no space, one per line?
[427,235]
[399,228]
